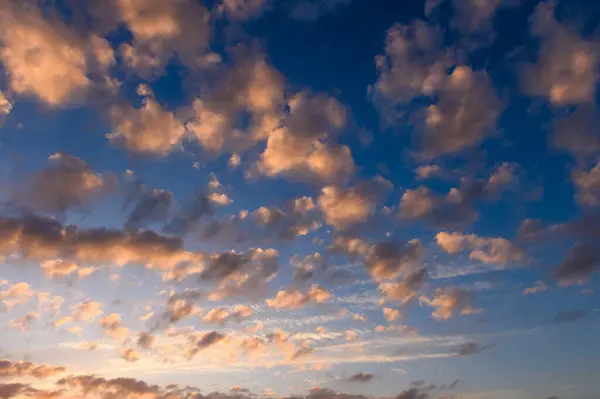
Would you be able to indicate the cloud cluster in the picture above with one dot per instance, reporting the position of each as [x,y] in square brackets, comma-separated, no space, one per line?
[483,249]
[450,301]
[67,182]
[12,369]
[294,299]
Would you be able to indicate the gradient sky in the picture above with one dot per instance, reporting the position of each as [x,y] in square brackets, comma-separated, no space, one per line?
[313,199]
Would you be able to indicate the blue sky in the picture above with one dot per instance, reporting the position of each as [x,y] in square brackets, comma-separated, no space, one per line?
[299,198]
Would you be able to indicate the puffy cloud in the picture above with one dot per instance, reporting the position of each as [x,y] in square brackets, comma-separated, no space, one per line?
[67,182]
[405,290]
[448,302]
[25,322]
[245,9]
[5,107]
[11,369]
[161,30]
[588,186]
[484,249]
[16,294]
[391,314]
[87,311]
[567,68]
[150,129]
[297,149]
[361,377]
[130,355]
[580,263]
[465,106]
[387,260]
[457,207]
[418,203]
[113,328]
[222,315]
[45,59]
[287,299]
[427,171]
[465,114]
[251,87]
[295,218]
[343,208]
[414,64]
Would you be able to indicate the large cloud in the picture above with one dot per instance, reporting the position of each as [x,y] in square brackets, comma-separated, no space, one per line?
[567,68]
[298,148]
[160,29]
[465,106]
[46,59]
[67,182]
[150,129]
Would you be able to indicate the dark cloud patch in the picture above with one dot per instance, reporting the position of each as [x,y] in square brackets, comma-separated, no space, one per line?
[67,182]
[472,348]
[580,263]
[361,377]
[570,316]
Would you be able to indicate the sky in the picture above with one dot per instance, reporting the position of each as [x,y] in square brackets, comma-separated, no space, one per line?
[307,199]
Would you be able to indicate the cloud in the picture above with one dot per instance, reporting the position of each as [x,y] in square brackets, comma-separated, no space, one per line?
[414,64]
[297,149]
[67,182]
[12,369]
[149,205]
[36,238]
[457,207]
[449,301]
[388,259]
[580,263]
[205,341]
[471,348]
[588,186]
[391,314]
[25,322]
[245,9]
[222,315]
[130,355]
[539,286]
[343,208]
[361,377]
[570,316]
[484,249]
[405,290]
[160,31]
[46,59]
[5,107]
[567,68]
[87,311]
[150,129]
[575,132]
[465,114]
[113,328]
[287,299]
